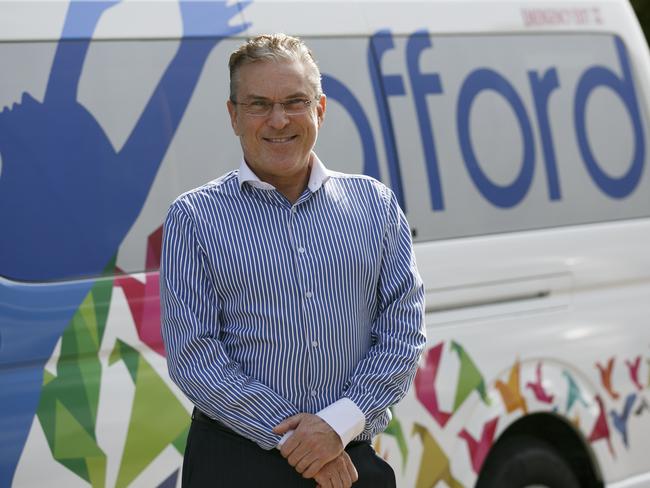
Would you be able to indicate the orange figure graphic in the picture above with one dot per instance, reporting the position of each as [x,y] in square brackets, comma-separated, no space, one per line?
[434,465]
[576,421]
[511,391]
[478,449]
[538,387]
[606,377]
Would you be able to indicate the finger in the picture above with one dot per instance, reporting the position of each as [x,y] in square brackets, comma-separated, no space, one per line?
[298,456]
[288,424]
[304,463]
[291,445]
[344,474]
[336,481]
[314,468]
[349,467]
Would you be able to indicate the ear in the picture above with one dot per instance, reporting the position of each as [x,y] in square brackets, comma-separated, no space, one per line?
[320,109]
[232,111]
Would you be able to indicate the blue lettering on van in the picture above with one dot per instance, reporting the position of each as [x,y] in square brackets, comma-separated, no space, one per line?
[422,85]
[67,198]
[503,196]
[383,87]
[339,92]
[542,89]
[601,76]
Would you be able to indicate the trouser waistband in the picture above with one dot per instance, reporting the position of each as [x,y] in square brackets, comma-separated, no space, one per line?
[201,417]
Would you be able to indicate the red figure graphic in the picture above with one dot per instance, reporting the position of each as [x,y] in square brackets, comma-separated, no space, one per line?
[538,387]
[425,385]
[601,429]
[143,298]
[478,449]
[633,367]
[606,377]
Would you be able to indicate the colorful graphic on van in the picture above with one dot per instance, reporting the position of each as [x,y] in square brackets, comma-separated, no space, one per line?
[63,184]
[68,405]
[157,420]
[144,298]
[434,464]
[499,403]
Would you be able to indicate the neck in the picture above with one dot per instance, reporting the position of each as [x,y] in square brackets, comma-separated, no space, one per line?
[291,188]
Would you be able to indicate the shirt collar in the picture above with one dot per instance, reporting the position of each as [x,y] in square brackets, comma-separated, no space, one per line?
[317,178]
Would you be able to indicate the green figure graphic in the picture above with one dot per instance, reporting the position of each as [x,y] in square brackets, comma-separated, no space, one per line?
[394,429]
[68,406]
[469,378]
[158,418]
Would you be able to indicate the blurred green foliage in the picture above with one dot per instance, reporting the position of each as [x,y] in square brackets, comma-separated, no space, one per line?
[642,9]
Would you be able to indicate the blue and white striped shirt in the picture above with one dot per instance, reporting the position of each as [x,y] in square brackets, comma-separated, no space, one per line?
[271,309]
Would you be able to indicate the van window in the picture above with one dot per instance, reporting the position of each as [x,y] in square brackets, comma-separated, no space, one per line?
[494,133]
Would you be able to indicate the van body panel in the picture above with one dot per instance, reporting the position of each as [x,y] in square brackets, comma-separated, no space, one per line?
[514,134]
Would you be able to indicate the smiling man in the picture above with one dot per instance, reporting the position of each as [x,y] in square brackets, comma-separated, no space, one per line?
[292,306]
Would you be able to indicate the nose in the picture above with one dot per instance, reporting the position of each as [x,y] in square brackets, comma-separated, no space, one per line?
[278,118]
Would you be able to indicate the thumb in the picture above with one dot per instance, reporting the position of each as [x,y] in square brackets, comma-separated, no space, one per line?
[288,424]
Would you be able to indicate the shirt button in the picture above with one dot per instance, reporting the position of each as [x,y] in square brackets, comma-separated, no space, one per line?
[314,343]
[313,393]
[301,250]
[309,294]
[294,210]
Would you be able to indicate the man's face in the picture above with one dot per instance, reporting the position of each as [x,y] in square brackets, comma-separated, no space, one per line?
[276,146]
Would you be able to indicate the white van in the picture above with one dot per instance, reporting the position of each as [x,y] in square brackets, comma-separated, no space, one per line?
[515,135]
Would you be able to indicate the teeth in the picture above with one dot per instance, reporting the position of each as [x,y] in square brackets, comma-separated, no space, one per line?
[279,139]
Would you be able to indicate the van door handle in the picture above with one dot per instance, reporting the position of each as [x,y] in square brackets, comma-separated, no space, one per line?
[509,290]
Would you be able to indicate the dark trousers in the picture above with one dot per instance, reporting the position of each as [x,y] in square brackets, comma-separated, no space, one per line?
[217,457]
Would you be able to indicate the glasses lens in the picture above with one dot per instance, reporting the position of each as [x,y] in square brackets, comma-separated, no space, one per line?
[260,108]
[295,107]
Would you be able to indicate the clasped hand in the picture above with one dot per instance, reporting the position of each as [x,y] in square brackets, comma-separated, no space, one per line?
[315,451]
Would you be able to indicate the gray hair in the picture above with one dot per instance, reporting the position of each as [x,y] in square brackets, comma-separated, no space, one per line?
[274,47]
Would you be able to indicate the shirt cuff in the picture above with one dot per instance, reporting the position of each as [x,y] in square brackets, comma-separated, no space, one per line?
[345,418]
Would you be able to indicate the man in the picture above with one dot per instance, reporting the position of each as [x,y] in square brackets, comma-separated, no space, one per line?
[292,307]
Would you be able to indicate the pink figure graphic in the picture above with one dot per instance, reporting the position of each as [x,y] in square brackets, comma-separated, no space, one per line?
[538,387]
[144,298]
[606,377]
[633,367]
[425,385]
[478,449]
[601,429]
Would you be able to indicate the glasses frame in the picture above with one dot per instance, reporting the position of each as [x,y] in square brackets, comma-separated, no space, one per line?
[271,105]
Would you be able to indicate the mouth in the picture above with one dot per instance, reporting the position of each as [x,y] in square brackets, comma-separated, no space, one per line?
[279,140]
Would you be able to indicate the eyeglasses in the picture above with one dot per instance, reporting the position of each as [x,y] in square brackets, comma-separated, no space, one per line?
[262,108]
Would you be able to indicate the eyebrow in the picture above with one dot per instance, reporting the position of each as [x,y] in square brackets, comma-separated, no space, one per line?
[288,97]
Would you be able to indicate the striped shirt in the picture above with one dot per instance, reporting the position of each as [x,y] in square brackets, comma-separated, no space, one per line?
[272,308]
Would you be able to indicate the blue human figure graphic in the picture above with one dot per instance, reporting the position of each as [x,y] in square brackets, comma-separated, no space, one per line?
[67,198]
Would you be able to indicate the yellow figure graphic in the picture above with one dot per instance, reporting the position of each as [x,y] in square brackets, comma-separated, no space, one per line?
[434,465]
[511,391]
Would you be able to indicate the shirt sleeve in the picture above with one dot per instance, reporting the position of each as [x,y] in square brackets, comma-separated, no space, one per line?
[196,358]
[398,337]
